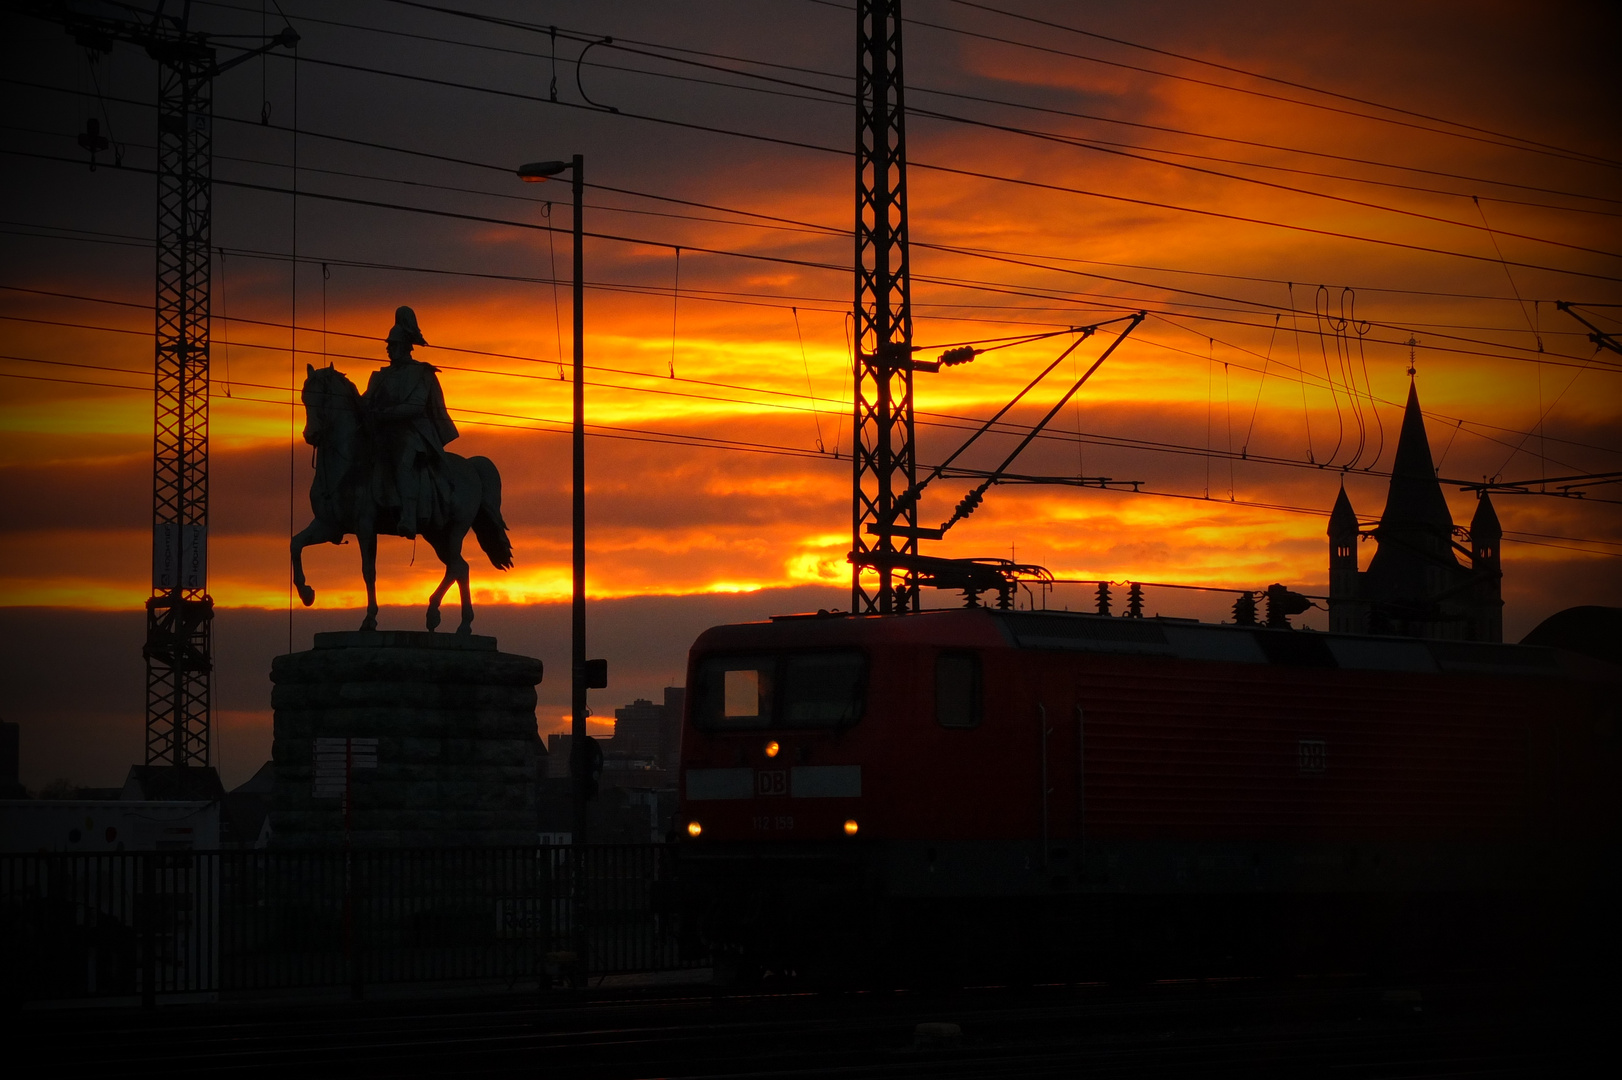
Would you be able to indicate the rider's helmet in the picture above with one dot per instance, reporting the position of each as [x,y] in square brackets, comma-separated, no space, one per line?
[404,331]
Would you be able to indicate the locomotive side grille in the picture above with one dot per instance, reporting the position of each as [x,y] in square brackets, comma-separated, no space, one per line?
[1290,649]
[1094,633]
[1219,755]
[1491,657]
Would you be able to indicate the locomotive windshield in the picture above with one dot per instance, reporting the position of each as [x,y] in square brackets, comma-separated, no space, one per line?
[782,690]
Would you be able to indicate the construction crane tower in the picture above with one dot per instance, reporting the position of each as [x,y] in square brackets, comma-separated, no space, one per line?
[179,612]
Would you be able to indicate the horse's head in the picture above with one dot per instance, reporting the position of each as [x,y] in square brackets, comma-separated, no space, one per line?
[327,395]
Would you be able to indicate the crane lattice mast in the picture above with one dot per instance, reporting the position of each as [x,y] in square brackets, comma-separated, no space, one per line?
[179,611]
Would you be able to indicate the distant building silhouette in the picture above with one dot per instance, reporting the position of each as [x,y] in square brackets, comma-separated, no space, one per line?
[644,731]
[637,731]
[10,761]
[637,797]
[649,731]
[1415,585]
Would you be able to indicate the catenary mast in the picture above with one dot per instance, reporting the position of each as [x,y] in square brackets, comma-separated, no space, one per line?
[884,460]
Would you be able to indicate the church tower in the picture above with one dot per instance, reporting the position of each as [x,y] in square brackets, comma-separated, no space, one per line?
[1415,586]
[1485,537]
[1414,568]
[1348,614]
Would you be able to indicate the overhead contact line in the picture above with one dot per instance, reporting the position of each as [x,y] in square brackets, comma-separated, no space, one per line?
[1550,147]
[603,431]
[812,226]
[839,95]
[996,178]
[928,418]
[1085,299]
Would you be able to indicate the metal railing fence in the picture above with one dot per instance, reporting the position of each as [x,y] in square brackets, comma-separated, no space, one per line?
[151,924]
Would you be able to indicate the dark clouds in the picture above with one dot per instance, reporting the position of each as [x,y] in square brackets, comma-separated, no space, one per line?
[679,519]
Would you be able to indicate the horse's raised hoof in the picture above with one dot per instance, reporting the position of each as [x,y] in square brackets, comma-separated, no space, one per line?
[306,595]
[433,619]
[370,623]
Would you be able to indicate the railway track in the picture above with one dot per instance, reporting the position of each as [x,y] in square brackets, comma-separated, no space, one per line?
[1323,1027]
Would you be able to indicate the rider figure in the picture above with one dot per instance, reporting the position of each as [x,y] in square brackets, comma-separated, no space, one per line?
[411,426]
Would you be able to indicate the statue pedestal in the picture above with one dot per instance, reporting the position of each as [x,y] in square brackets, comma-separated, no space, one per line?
[432,735]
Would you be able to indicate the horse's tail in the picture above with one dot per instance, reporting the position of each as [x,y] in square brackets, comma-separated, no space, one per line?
[488,525]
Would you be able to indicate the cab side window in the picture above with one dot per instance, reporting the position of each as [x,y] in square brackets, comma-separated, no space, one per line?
[958,690]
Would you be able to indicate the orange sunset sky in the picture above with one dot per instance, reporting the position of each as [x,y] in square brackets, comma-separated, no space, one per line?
[1292,192]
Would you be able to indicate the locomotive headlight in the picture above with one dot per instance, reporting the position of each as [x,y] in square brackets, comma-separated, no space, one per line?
[772,748]
[694,828]
[851,827]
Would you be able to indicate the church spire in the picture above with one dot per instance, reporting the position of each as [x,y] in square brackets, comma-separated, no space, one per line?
[1485,537]
[1415,502]
[1415,585]
[1342,519]
[1413,571]
[1485,532]
[1347,613]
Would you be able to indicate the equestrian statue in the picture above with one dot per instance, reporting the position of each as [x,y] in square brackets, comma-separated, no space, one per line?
[381,468]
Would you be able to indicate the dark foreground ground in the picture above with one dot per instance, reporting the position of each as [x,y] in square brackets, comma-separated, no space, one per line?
[1328,1027]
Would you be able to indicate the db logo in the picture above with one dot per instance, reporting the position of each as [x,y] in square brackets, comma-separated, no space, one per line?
[771,782]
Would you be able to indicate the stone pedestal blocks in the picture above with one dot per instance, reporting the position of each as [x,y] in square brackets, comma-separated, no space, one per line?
[455,742]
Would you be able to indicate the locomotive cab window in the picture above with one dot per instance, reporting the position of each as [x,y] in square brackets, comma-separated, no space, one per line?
[823,689]
[740,693]
[957,690]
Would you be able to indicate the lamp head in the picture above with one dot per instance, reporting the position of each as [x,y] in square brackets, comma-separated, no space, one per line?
[536,171]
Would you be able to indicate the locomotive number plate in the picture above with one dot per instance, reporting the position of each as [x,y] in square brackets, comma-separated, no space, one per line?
[768,822]
[771,782]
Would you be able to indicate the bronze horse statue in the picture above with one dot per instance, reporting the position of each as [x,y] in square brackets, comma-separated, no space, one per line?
[344,502]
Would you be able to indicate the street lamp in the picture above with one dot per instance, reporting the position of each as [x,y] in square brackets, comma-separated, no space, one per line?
[533,173]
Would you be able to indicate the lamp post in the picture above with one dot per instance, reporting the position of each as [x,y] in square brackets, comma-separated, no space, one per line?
[535,173]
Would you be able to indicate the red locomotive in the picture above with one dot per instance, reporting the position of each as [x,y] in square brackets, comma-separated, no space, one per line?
[1023,792]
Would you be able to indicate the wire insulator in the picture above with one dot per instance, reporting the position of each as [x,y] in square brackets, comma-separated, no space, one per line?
[970,503]
[1281,604]
[960,355]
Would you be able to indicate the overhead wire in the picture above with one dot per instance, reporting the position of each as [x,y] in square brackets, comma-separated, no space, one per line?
[1097,147]
[841,100]
[998,178]
[816,412]
[969,283]
[1512,142]
[414,208]
[1466,131]
[951,170]
[1052,25]
[841,93]
[479,417]
[1362,329]
[1171,320]
[788,222]
[1260,384]
[295,350]
[1070,299]
[1197,317]
[929,417]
